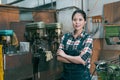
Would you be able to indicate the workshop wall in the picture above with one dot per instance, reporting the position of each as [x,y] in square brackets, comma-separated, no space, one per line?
[26,16]
[95,7]
[8,14]
[47,16]
[19,29]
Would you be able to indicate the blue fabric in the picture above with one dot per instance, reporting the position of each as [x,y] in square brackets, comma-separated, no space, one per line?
[74,46]
[75,71]
[80,74]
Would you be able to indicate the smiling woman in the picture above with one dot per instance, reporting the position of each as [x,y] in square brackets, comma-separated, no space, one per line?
[75,50]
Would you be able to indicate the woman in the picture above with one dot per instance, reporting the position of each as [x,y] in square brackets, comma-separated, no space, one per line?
[75,49]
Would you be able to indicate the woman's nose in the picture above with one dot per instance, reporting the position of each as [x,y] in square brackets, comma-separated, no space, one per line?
[77,22]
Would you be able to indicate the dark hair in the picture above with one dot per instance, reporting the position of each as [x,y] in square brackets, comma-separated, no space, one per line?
[81,12]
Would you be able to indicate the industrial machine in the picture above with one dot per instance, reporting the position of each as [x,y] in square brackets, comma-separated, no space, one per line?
[4,48]
[112,34]
[44,39]
[108,69]
[38,33]
[12,63]
[5,40]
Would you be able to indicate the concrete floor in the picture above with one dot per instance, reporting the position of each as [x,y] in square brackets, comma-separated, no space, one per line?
[95,78]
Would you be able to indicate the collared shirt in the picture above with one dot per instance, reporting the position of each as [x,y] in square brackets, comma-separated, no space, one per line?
[82,44]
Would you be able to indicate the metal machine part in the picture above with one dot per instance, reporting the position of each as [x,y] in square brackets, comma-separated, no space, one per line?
[18,65]
[39,33]
[6,40]
[13,62]
[43,38]
[108,69]
[101,65]
[53,32]
[34,30]
[112,34]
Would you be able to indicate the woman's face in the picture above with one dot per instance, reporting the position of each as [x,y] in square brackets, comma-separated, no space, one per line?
[78,21]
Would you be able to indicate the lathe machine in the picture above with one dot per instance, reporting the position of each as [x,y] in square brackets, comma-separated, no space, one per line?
[112,34]
[110,69]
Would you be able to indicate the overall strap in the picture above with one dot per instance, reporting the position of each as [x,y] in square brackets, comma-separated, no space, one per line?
[66,37]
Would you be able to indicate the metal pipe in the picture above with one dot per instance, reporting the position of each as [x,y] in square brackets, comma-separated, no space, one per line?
[82,4]
[14,2]
[52,4]
[71,7]
[43,2]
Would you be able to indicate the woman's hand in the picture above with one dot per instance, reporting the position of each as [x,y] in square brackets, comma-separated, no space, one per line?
[69,58]
[61,53]
[61,56]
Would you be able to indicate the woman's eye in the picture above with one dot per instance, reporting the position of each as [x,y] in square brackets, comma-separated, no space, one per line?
[77,19]
[74,19]
[80,19]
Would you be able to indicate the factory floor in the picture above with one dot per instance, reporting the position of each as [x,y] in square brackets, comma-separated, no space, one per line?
[93,78]
[28,79]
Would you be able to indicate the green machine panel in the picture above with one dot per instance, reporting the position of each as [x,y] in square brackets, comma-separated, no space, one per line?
[112,31]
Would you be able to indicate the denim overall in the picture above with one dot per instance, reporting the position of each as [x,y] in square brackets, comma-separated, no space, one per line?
[73,71]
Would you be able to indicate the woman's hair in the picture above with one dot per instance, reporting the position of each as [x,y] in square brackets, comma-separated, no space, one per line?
[81,12]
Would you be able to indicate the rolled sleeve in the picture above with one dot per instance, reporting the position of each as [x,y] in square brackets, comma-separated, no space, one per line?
[87,50]
[61,46]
